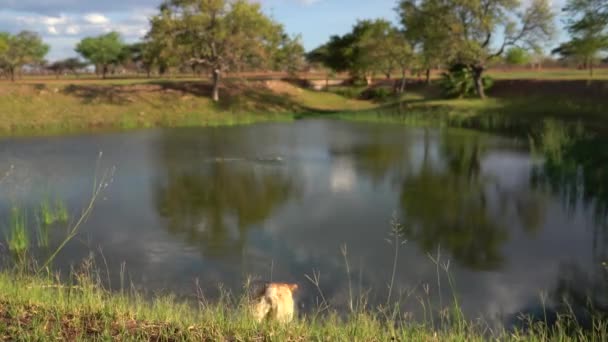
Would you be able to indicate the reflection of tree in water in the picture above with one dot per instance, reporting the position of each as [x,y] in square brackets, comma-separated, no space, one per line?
[447,207]
[580,290]
[579,173]
[377,156]
[214,202]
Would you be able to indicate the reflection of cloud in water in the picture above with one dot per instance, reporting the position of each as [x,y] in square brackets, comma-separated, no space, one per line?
[343,175]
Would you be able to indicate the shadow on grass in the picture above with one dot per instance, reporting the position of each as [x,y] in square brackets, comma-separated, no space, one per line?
[234,95]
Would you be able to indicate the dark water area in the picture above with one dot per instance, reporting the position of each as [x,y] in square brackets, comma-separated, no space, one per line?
[279,202]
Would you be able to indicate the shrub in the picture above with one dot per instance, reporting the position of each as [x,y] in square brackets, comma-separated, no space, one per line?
[377,94]
[459,81]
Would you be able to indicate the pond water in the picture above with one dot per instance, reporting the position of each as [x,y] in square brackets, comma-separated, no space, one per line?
[280,201]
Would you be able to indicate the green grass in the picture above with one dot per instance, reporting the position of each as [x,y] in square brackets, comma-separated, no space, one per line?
[50,213]
[515,115]
[39,307]
[18,239]
[57,107]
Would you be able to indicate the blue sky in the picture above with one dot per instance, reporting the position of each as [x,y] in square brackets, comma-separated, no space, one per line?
[62,23]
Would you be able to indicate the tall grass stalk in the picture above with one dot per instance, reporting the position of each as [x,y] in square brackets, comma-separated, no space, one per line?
[100,182]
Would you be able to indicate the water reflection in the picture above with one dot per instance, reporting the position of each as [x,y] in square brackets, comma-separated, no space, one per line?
[212,201]
[447,205]
[278,200]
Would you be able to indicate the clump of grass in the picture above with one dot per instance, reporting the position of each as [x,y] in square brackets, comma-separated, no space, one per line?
[61,211]
[18,239]
[51,213]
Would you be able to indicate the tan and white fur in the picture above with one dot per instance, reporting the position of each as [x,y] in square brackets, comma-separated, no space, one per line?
[275,302]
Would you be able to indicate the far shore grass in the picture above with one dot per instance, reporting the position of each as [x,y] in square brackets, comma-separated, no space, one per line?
[47,107]
[55,107]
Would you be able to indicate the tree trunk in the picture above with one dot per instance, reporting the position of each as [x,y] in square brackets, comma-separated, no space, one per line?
[388,75]
[428,76]
[104,71]
[477,78]
[403,82]
[12,72]
[216,85]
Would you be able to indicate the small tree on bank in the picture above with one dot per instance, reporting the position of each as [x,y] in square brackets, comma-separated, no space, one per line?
[102,51]
[219,35]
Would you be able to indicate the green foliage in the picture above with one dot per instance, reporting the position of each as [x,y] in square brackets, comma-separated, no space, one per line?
[18,239]
[426,30]
[18,50]
[219,35]
[464,31]
[377,94]
[517,56]
[102,50]
[50,213]
[372,47]
[588,26]
[459,81]
[289,54]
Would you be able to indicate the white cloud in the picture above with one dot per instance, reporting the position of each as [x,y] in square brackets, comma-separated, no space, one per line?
[52,30]
[53,21]
[72,29]
[96,19]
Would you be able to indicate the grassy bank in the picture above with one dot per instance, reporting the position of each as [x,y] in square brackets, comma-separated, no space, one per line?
[41,308]
[63,106]
[513,105]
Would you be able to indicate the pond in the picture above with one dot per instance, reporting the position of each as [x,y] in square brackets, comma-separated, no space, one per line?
[286,201]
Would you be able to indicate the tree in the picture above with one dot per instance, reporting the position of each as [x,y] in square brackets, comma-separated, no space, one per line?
[478,21]
[103,50]
[401,55]
[423,21]
[290,54]
[372,47]
[219,35]
[517,56]
[18,50]
[588,25]
[468,29]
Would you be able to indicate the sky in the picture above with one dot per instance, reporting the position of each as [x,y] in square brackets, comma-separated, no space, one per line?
[62,23]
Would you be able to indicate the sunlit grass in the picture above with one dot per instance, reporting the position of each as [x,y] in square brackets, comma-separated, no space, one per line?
[52,212]
[18,239]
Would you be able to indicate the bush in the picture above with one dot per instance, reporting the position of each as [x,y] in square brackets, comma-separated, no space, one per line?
[459,81]
[377,94]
